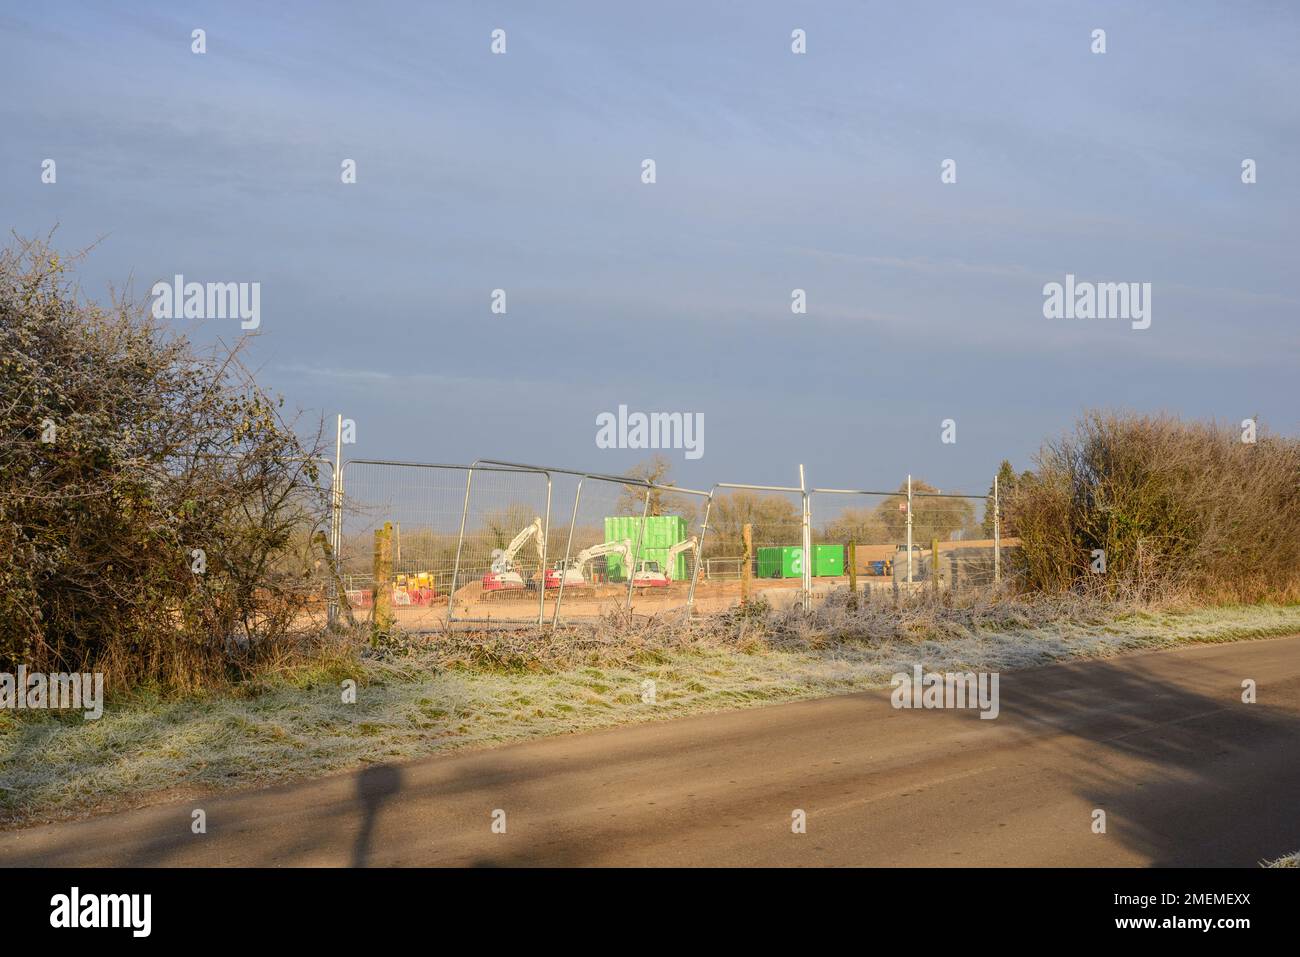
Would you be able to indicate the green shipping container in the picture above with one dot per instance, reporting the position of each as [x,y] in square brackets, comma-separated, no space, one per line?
[780,561]
[662,532]
[785,561]
[828,561]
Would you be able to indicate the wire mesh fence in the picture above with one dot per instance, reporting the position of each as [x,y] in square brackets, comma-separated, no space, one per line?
[632,545]
[497,542]
[756,533]
[866,533]
[594,573]
[501,557]
[959,551]
[421,506]
[309,506]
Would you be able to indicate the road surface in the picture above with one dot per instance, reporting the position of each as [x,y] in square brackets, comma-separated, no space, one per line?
[1186,773]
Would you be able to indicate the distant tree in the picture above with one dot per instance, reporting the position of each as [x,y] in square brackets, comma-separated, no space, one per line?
[501,525]
[1008,483]
[931,517]
[776,521]
[657,471]
[858,525]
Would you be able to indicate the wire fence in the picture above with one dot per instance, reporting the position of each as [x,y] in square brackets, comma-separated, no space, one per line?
[764,527]
[507,543]
[869,530]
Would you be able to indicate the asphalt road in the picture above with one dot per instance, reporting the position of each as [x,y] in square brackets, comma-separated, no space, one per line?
[1186,773]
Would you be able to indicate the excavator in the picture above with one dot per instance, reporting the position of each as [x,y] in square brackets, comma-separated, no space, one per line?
[650,575]
[572,573]
[503,576]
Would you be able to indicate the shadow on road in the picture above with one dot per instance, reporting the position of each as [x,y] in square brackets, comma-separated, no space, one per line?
[1186,777]
[1178,773]
[375,785]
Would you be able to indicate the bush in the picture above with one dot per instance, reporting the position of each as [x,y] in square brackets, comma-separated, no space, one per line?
[122,452]
[1176,506]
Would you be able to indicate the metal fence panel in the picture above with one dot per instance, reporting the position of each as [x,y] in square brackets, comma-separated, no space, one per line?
[894,535]
[296,503]
[501,555]
[775,517]
[604,540]
[968,552]
[500,542]
[868,532]
[313,543]
[439,518]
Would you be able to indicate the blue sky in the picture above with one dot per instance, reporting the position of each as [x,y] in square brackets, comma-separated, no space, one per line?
[775,171]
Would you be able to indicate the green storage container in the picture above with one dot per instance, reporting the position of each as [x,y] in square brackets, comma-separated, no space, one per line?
[828,561]
[785,561]
[662,532]
[780,561]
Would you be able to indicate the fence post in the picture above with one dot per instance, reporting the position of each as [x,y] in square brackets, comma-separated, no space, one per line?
[568,549]
[699,556]
[336,584]
[381,621]
[934,564]
[636,548]
[909,531]
[541,558]
[336,521]
[746,571]
[806,583]
[851,551]
[997,536]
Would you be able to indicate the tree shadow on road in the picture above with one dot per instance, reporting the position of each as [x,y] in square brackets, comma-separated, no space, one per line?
[375,785]
[1185,778]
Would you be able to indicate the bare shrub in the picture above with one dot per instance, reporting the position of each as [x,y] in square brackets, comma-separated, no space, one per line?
[1177,508]
[155,507]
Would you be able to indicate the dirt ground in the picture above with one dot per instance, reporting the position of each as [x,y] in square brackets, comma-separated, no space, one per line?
[594,601]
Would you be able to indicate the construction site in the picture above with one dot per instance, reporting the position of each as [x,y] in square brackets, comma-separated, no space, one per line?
[427,546]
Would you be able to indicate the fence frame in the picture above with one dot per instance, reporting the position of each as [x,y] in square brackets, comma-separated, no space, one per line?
[858,491]
[337,509]
[626,481]
[805,578]
[488,466]
[468,469]
[997,526]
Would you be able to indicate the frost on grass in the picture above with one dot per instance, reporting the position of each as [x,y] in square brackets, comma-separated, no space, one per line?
[458,690]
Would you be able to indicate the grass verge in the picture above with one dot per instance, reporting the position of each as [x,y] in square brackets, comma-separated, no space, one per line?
[420,698]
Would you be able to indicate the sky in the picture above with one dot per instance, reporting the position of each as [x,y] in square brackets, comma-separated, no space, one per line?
[775,171]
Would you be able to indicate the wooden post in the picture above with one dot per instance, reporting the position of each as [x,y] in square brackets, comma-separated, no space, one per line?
[934,564]
[381,619]
[746,569]
[851,551]
[340,593]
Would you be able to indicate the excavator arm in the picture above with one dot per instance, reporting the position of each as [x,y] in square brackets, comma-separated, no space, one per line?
[646,575]
[623,548]
[688,545]
[503,562]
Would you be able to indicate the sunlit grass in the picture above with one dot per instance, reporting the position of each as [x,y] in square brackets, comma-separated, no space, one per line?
[147,747]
